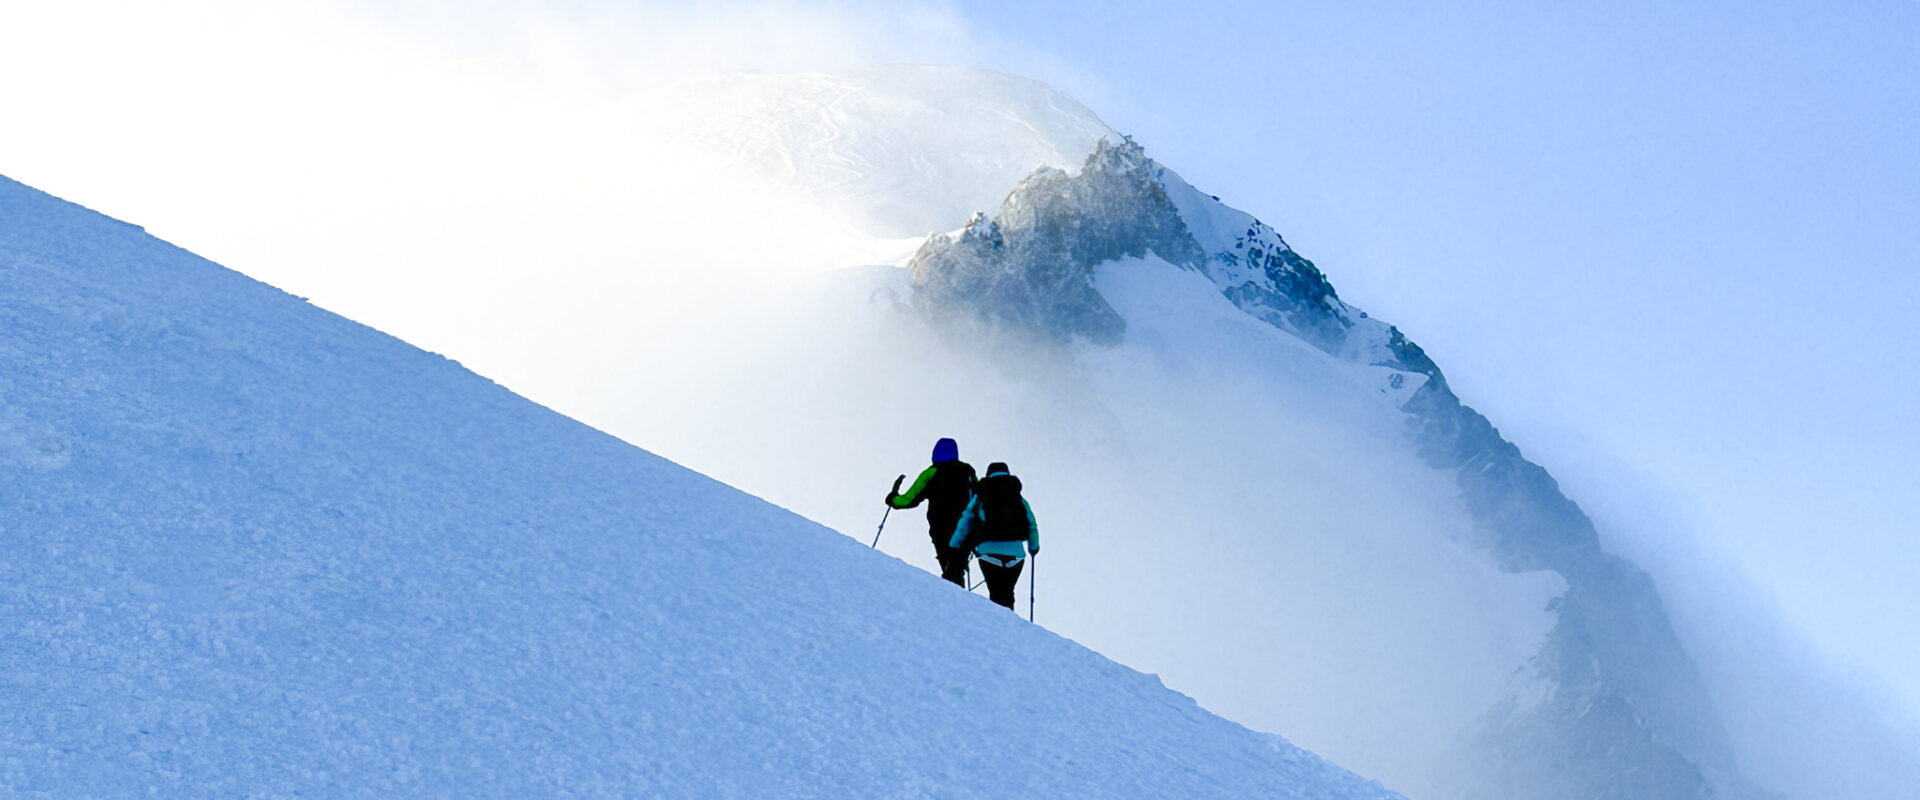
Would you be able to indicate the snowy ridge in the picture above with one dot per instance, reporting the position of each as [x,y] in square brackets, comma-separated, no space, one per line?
[1261,273]
[1244,255]
[254,548]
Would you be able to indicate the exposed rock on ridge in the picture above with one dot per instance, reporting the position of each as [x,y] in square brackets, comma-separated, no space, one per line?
[1032,265]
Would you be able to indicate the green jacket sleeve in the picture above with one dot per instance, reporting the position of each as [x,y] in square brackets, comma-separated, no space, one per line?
[911,497]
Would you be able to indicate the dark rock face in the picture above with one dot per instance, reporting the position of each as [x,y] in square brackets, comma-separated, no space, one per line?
[1032,266]
[1623,713]
[1295,297]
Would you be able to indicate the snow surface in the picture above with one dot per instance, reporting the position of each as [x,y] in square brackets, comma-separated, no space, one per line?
[1160,300]
[252,548]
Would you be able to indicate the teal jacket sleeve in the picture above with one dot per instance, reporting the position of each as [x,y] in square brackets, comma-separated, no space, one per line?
[1033,529]
[911,497]
[966,522]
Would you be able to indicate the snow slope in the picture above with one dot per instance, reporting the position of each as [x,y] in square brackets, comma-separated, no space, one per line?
[254,548]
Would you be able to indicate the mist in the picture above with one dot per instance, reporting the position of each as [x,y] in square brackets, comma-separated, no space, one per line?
[1213,509]
[1802,722]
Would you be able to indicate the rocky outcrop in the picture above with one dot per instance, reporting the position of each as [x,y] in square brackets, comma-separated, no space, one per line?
[1031,266]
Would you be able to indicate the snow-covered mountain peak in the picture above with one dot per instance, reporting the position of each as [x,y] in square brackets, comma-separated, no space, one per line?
[1066,248]
[1034,263]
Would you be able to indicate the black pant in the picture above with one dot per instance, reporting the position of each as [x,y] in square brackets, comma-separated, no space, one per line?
[953,561]
[1000,580]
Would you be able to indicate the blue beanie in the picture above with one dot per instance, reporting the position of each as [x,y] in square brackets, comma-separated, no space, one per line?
[945,450]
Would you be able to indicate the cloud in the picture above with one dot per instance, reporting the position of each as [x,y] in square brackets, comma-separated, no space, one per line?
[428,168]
[1801,720]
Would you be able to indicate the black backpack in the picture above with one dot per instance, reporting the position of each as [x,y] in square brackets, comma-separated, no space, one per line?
[947,494]
[1003,516]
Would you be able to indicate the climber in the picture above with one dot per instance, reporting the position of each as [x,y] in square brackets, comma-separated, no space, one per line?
[946,487]
[993,527]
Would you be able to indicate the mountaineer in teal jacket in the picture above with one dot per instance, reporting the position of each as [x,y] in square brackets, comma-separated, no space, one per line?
[946,488]
[995,526]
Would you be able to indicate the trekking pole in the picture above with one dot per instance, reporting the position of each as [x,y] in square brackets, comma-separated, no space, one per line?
[883,526]
[883,517]
[1033,577]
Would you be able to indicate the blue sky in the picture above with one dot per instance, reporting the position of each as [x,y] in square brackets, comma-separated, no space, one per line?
[1669,249]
